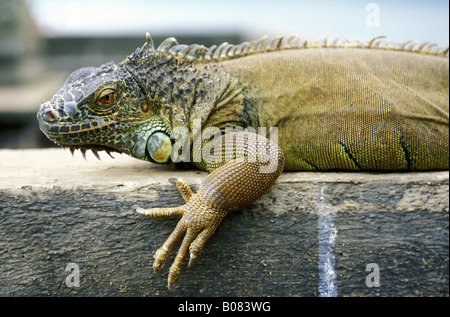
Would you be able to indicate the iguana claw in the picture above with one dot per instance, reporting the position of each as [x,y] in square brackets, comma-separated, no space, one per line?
[199,220]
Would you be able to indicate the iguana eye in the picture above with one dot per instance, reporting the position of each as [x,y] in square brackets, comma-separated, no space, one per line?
[107,99]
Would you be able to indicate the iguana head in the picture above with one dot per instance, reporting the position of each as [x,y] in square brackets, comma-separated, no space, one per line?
[110,108]
[133,107]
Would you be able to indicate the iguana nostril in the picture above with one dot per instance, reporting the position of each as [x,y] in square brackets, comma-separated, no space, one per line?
[50,116]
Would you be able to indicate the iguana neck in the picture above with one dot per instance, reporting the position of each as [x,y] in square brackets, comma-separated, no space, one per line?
[180,91]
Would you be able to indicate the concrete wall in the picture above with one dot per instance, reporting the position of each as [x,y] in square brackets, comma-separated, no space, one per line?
[312,234]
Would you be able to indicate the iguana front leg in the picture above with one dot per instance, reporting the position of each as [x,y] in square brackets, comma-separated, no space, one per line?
[255,164]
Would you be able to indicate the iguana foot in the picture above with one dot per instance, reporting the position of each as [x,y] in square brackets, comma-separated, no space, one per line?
[199,220]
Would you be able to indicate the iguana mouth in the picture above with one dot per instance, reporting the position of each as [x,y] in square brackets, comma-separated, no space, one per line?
[70,130]
[65,135]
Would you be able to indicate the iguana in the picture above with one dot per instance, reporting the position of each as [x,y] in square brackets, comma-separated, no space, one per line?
[354,106]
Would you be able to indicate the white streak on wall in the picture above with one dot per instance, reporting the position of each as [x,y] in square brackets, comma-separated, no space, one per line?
[327,236]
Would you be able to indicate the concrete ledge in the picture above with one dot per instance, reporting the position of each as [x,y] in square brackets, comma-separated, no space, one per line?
[311,234]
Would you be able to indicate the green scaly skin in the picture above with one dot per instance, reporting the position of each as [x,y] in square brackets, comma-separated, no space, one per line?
[336,107]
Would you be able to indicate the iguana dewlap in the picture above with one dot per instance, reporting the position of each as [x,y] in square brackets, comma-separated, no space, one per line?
[247,112]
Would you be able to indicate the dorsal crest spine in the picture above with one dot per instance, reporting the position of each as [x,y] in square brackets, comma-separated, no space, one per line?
[196,53]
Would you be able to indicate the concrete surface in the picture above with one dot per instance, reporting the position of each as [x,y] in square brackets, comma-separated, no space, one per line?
[68,227]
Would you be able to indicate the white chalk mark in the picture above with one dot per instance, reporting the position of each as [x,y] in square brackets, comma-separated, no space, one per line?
[327,236]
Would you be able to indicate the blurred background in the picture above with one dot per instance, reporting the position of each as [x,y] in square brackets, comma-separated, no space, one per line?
[43,41]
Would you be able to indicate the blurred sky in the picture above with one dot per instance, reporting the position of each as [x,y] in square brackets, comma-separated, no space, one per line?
[400,20]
